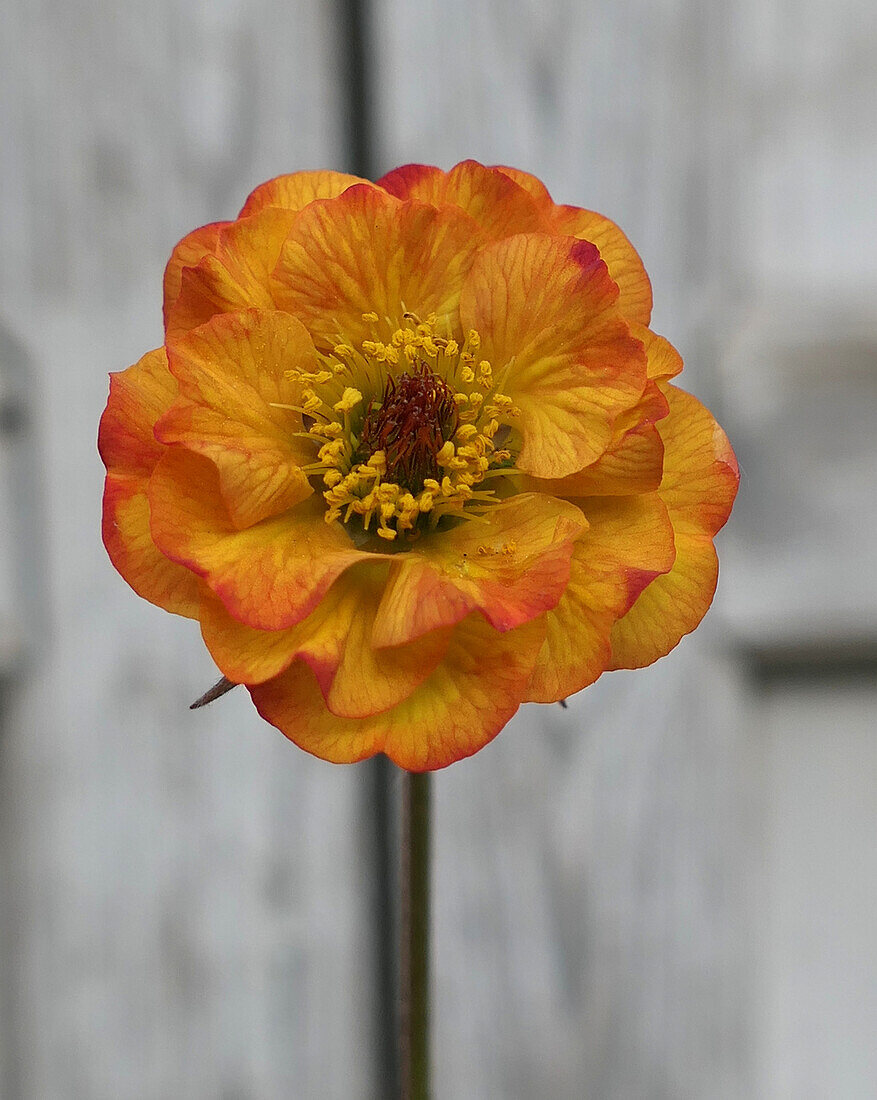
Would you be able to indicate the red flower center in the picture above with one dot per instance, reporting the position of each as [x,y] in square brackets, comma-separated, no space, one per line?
[410,425]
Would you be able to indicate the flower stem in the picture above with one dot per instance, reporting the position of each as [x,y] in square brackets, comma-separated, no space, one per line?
[414,969]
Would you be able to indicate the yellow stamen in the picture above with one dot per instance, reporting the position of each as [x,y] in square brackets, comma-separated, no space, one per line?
[349,399]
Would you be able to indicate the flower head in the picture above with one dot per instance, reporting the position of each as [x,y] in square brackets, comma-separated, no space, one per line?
[412,456]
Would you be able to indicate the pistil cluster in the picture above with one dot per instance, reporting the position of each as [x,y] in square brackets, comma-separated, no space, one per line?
[407,429]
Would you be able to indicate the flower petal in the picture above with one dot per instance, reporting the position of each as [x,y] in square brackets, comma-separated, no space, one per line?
[232,372]
[629,542]
[244,654]
[699,485]
[670,608]
[632,463]
[414,181]
[487,195]
[235,275]
[547,309]
[269,576]
[619,255]
[369,680]
[663,360]
[129,543]
[298,189]
[355,679]
[457,710]
[366,252]
[129,451]
[616,251]
[700,469]
[534,187]
[138,396]
[511,567]
[187,253]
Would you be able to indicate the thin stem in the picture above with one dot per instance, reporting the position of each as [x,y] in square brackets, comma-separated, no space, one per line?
[414,969]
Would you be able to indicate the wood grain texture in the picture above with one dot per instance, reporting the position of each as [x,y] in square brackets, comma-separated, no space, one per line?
[188,910]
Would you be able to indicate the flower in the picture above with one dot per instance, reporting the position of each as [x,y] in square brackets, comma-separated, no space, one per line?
[411,456]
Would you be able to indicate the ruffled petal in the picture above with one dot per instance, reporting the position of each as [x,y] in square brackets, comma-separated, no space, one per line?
[534,187]
[700,469]
[670,608]
[699,485]
[619,255]
[457,710]
[511,567]
[414,181]
[663,360]
[232,375]
[297,190]
[616,251]
[632,463]
[629,542]
[138,397]
[355,679]
[487,195]
[634,460]
[269,576]
[187,253]
[548,316]
[129,543]
[246,655]
[366,252]
[235,276]
[129,450]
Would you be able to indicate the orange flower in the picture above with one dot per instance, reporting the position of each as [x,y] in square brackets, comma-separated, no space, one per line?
[412,457]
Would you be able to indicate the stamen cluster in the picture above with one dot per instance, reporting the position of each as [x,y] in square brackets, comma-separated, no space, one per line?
[420,443]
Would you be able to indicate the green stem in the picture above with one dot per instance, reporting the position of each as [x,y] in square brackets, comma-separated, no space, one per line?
[414,969]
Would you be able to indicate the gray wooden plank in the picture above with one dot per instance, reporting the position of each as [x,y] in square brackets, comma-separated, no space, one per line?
[188,913]
[818,985]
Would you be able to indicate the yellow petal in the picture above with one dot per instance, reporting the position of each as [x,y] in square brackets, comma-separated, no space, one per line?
[365,252]
[619,255]
[669,608]
[547,310]
[632,463]
[511,567]
[356,680]
[629,542]
[188,253]
[298,189]
[616,251]
[700,470]
[236,275]
[232,374]
[461,706]
[488,196]
[699,486]
[129,543]
[269,576]
[259,475]
[534,187]
[138,396]
[663,360]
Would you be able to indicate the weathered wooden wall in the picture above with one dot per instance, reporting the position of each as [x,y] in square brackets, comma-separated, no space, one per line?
[187,900]
[185,903]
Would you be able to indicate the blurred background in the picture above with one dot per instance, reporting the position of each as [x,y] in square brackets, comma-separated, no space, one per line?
[666,891]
